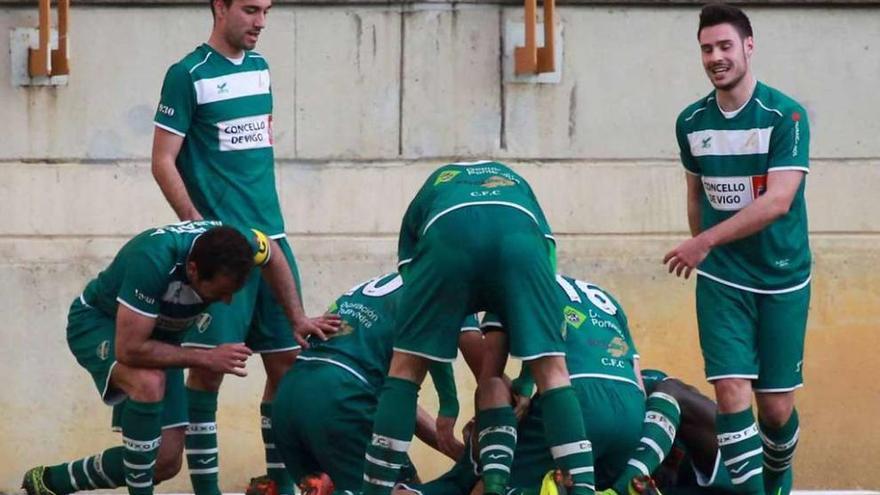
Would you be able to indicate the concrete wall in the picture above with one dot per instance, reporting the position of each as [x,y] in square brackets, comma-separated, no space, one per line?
[368,100]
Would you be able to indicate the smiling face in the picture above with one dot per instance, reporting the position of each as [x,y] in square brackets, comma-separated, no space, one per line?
[726,55]
[241,22]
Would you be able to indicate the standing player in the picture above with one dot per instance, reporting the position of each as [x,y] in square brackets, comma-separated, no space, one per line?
[126,329]
[474,238]
[213,158]
[745,147]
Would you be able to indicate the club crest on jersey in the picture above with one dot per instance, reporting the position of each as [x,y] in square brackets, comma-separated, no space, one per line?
[498,181]
[617,347]
[574,317]
[446,176]
[103,350]
[203,321]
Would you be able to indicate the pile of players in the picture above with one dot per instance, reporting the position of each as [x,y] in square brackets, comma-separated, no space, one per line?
[477,271]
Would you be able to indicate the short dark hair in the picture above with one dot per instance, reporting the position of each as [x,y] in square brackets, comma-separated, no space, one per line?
[211,3]
[714,14]
[222,250]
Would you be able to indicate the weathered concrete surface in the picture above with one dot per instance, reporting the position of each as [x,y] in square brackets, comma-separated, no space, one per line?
[369,99]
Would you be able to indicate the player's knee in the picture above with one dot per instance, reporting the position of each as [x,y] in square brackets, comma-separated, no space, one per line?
[774,411]
[202,379]
[493,392]
[733,394]
[148,385]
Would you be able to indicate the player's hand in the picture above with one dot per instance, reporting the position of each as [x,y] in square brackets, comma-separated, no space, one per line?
[228,358]
[446,441]
[687,256]
[521,405]
[321,327]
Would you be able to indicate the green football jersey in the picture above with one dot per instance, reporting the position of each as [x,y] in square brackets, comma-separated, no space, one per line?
[364,344]
[733,154]
[148,276]
[223,109]
[598,343]
[460,185]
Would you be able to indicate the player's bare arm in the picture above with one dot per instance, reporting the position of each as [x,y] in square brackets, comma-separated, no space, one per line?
[781,189]
[694,198]
[135,348]
[166,146]
[278,275]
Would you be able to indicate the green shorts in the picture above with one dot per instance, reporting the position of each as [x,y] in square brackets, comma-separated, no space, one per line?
[322,419]
[91,336]
[480,258]
[753,336]
[254,317]
[613,414]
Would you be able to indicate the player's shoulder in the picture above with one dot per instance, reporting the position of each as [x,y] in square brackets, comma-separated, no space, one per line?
[257,59]
[193,60]
[689,117]
[777,103]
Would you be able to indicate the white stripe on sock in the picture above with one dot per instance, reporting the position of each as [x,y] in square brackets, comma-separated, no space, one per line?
[751,474]
[380,462]
[744,456]
[640,466]
[567,449]
[499,467]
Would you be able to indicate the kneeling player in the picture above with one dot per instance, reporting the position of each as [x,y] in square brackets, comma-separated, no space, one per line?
[323,414]
[126,329]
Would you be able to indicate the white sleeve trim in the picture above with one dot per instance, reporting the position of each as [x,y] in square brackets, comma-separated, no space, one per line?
[403,262]
[805,170]
[169,129]
[689,172]
[138,311]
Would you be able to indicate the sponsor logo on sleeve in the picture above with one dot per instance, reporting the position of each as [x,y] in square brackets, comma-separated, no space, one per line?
[574,317]
[246,133]
[733,193]
[166,110]
[445,176]
[796,117]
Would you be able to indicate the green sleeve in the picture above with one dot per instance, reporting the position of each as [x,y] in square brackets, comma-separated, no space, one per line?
[790,141]
[687,159]
[524,384]
[177,101]
[444,382]
[144,284]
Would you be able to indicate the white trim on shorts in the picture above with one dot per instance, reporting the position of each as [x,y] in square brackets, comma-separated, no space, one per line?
[538,356]
[423,355]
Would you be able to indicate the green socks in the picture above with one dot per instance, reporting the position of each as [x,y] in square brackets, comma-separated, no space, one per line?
[201,442]
[662,417]
[496,435]
[779,447]
[741,450]
[141,436]
[393,429]
[275,467]
[564,427]
[103,470]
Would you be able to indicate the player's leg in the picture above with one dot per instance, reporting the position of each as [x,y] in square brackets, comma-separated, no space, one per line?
[783,322]
[434,300]
[523,292]
[659,427]
[220,324]
[496,433]
[91,338]
[727,319]
[271,336]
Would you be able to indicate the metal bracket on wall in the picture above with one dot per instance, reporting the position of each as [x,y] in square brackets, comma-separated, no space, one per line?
[532,59]
[34,60]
